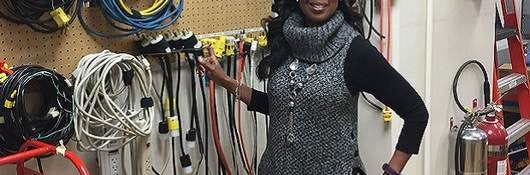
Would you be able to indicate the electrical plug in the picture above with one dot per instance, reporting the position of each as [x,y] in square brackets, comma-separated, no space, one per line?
[163,128]
[3,77]
[191,137]
[173,126]
[230,46]
[262,41]
[185,162]
[60,17]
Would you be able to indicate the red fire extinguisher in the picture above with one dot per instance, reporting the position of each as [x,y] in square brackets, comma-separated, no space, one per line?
[497,145]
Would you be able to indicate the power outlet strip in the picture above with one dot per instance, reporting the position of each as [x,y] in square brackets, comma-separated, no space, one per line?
[141,153]
[110,163]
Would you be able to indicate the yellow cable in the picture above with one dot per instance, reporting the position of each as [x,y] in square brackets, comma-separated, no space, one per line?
[153,9]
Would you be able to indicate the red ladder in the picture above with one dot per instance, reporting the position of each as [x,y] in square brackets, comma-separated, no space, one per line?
[518,79]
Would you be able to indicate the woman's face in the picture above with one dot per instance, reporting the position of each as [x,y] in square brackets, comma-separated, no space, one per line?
[318,11]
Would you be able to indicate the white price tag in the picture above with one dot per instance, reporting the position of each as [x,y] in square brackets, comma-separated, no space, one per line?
[501,167]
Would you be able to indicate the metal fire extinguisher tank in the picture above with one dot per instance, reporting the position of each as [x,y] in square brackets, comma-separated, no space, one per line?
[472,151]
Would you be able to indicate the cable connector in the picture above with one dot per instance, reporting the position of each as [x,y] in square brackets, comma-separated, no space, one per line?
[147,102]
[230,46]
[163,128]
[219,46]
[3,78]
[127,77]
[173,126]
[145,62]
[60,17]
[262,41]
[53,112]
[387,115]
[185,162]
[191,137]
[61,149]
[10,102]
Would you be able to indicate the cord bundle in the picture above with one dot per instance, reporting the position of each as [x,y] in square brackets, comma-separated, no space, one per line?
[44,16]
[24,117]
[110,111]
[161,14]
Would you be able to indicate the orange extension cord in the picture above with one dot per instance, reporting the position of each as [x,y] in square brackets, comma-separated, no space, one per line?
[215,130]
[240,134]
[387,10]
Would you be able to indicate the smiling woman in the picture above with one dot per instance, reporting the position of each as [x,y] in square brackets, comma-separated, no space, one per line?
[319,63]
[317,12]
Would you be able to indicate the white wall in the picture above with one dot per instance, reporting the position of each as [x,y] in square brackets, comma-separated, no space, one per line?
[435,38]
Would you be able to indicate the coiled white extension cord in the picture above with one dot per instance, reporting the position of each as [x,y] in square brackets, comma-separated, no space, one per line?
[109,113]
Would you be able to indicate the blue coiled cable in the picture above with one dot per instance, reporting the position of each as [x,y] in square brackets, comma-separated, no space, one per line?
[116,17]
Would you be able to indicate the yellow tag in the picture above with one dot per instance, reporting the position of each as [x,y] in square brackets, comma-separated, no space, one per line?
[3,77]
[60,17]
[9,104]
[172,124]
[262,41]
[387,114]
[230,46]
[219,46]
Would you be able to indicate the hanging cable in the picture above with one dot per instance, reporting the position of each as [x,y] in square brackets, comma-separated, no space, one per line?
[215,131]
[108,86]
[486,84]
[170,120]
[239,76]
[370,21]
[44,16]
[206,126]
[127,21]
[195,131]
[48,119]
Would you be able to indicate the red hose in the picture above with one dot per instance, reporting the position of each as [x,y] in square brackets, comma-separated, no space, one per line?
[215,130]
[41,149]
[239,76]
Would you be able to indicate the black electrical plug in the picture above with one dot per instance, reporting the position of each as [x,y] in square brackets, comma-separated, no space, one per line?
[163,128]
[191,137]
[185,162]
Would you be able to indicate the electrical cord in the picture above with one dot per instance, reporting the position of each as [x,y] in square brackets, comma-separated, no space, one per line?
[206,133]
[108,86]
[215,132]
[230,116]
[486,84]
[195,113]
[46,16]
[242,148]
[161,14]
[370,21]
[50,120]
[168,82]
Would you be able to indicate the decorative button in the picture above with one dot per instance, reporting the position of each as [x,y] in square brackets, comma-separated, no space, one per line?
[311,69]
[294,65]
[291,104]
[290,137]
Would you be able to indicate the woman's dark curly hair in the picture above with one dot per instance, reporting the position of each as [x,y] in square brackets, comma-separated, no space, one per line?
[278,46]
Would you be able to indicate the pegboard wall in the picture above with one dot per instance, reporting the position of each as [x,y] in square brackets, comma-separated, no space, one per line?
[62,50]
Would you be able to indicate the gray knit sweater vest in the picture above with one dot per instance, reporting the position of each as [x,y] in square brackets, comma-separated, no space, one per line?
[325,113]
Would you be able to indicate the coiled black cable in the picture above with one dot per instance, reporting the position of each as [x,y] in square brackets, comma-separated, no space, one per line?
[50,121]
[37,13]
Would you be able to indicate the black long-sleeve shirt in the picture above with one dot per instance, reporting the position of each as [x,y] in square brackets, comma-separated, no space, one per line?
[365,69]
